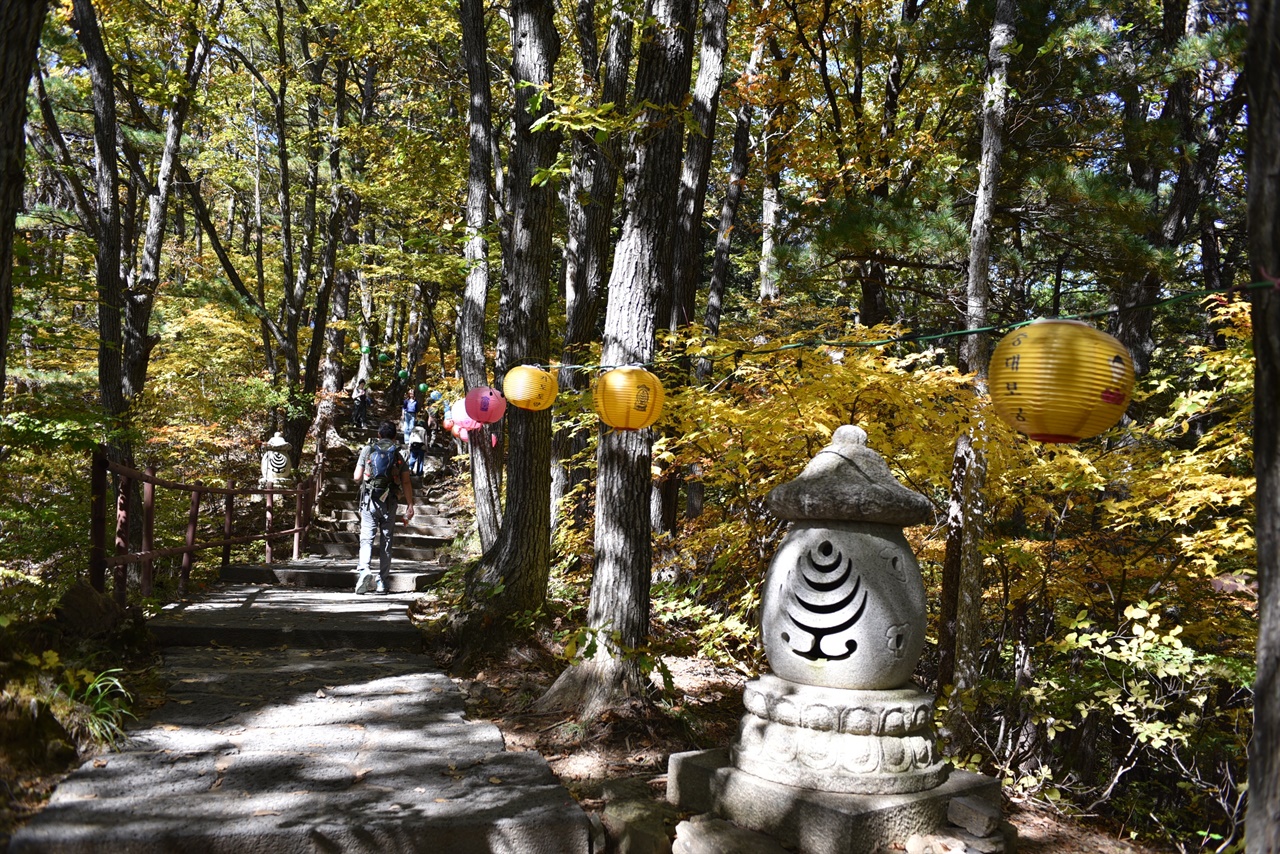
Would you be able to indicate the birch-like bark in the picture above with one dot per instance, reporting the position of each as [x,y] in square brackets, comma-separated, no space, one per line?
[138,342]
[739,162]
[962,582]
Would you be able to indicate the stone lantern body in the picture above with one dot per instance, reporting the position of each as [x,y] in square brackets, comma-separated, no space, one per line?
[275,463]
[843,623]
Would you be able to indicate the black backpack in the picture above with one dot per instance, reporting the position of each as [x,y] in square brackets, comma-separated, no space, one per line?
[381,467]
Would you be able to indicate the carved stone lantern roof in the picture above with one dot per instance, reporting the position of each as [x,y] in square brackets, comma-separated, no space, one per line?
[279,443]
[847,481]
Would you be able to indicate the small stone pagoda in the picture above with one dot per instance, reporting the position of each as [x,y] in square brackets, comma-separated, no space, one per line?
[836,752]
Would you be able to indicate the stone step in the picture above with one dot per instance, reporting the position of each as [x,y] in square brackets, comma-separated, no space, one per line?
[351,550]
[332,574]
[295,750]
[428,518]
[258,616]
[426,538]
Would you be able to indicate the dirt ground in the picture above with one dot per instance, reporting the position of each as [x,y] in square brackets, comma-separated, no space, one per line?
[635,743]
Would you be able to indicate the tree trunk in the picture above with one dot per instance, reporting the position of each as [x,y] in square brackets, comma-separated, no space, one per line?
[686,264]
[582,291]
[739,162]
[769,210]
[486,474]
[618,614]
[20,22]
[512,575]
[687,243]
[138,341]
[106,223]
[959,629]
[1263,72]
[771,164]
[343,211]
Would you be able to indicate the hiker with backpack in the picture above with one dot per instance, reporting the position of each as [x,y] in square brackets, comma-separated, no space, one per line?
[379,471]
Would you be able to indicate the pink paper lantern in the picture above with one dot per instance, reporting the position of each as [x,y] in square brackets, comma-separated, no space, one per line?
[463,434]
[485,404]
[458,412]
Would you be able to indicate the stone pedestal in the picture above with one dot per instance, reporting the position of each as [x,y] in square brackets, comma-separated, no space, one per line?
[838,740]
[815,822]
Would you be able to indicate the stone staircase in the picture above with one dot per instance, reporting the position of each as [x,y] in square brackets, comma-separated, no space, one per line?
[306,721]
[333,544]
[309,720]
[336,533]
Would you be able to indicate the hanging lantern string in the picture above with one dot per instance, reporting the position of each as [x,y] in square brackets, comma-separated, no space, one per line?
[999,329]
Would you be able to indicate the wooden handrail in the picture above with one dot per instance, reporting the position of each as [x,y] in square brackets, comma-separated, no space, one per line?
[146,477]
[98,560]
[139,557]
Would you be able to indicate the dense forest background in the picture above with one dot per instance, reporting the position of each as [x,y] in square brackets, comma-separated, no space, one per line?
[792,212]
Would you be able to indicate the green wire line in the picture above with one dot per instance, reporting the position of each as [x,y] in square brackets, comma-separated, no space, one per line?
[939,336]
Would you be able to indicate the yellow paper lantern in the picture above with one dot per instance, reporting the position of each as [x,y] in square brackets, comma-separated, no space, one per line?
[628,398]
[529,388]
[1060,380]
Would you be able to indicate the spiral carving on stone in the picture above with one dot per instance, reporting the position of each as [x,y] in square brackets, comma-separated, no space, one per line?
[826,601]
[276,461]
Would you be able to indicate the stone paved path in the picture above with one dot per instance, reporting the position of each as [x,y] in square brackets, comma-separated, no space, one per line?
[272,742]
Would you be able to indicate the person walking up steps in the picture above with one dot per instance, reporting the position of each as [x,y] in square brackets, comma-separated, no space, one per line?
[409,410]
[360,404]
[379,470]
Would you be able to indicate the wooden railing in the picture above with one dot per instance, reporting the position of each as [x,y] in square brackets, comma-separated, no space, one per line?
[99,561]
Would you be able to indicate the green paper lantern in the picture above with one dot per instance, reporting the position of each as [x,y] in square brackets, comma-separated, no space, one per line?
[403,374]
[384,357]
[422,387]
[364,349]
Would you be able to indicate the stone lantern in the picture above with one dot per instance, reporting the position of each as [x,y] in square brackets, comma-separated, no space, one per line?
[275,463]
[836,753]
[843,626]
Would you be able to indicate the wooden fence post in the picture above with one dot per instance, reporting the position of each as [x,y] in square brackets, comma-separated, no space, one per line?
[98,520]
[193,518]
[120,572]
[228,522]
[148,530]
[299,509]
[271,503]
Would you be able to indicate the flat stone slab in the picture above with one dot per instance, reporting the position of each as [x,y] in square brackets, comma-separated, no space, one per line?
[809,821]
[260,616]
[304,750]
[338,573]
